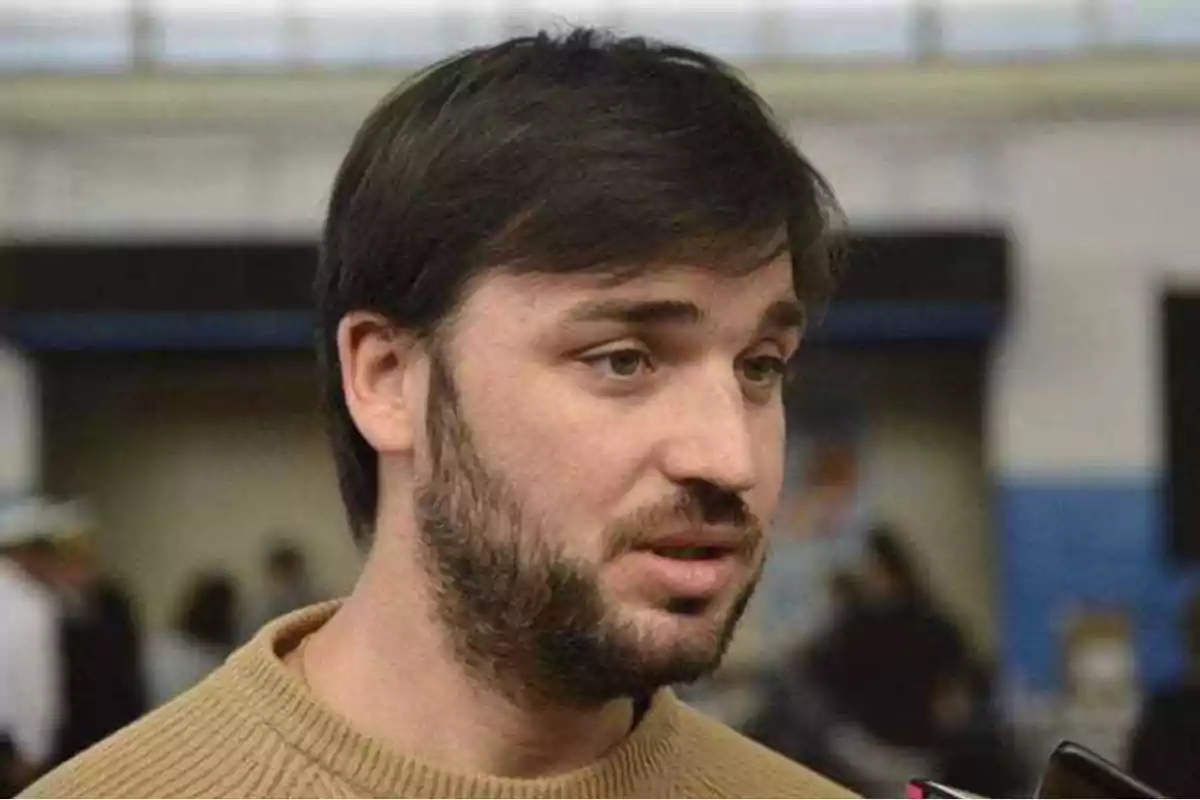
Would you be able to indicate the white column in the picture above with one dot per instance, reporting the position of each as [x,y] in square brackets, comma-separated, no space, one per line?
[20,425]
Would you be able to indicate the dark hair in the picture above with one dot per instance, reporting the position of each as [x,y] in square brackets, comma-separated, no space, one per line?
[845,590]
[894,556]
[284,557]
[209,612]
[554,154]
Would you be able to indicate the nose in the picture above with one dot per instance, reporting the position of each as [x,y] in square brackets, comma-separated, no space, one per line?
[708,437]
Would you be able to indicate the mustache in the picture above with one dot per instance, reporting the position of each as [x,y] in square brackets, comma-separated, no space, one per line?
[697,504]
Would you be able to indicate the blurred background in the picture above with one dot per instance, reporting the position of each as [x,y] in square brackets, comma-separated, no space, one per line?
[990,531]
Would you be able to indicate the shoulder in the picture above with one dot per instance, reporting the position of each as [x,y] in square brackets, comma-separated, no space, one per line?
[29,618]
[201,744]
[731,765]
[22,599]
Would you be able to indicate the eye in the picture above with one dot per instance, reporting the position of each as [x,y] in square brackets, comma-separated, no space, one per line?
[763,371]
[622,364]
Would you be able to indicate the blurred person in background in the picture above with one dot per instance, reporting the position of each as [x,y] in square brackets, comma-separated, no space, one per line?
[876,695]
[201,637]
[30,660]
[289,583]
[881,666]
[973,749]
[845,605]
[1164,749]
[560,281]
[104,684]
[795,714]
[12,780]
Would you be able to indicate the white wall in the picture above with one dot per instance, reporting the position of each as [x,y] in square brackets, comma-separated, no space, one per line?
[1106,215]
[98,183]
[1103,217]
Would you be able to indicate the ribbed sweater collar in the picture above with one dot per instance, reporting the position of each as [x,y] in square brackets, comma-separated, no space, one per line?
[276,696]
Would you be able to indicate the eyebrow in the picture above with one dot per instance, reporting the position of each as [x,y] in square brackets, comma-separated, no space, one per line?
[784,314]
[636,312]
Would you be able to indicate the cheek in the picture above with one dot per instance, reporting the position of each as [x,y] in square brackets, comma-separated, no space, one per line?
[557,453]
[764,497]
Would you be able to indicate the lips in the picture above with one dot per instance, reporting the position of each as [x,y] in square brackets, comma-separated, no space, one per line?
[693,563]
[706,543]
[686,577]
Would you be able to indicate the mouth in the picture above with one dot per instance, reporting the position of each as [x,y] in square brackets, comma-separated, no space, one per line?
[690,565]
[701,545]
[691,552]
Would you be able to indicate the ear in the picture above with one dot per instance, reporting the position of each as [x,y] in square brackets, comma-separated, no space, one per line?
[376,364]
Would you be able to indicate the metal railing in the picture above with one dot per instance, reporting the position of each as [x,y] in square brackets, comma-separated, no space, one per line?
[121,35]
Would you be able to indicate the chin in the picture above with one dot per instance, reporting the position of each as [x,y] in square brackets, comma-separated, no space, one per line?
[685,634]
[642,647]
[677,640]
[684,661]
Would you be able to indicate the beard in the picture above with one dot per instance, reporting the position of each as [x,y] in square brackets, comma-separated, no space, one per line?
[521,615]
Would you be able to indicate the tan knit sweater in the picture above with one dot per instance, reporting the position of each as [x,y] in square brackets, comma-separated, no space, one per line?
[252,730]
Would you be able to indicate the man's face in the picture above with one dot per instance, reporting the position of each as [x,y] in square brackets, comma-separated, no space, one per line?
[599,462]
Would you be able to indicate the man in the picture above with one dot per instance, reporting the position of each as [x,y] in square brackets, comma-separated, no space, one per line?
[559,283]
[30,663]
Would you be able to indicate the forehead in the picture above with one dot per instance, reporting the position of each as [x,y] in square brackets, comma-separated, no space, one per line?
[503,297]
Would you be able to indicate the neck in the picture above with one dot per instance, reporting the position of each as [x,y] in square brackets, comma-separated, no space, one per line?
[384,663]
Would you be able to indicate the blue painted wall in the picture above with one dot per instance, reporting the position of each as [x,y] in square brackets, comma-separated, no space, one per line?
[1086,541]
